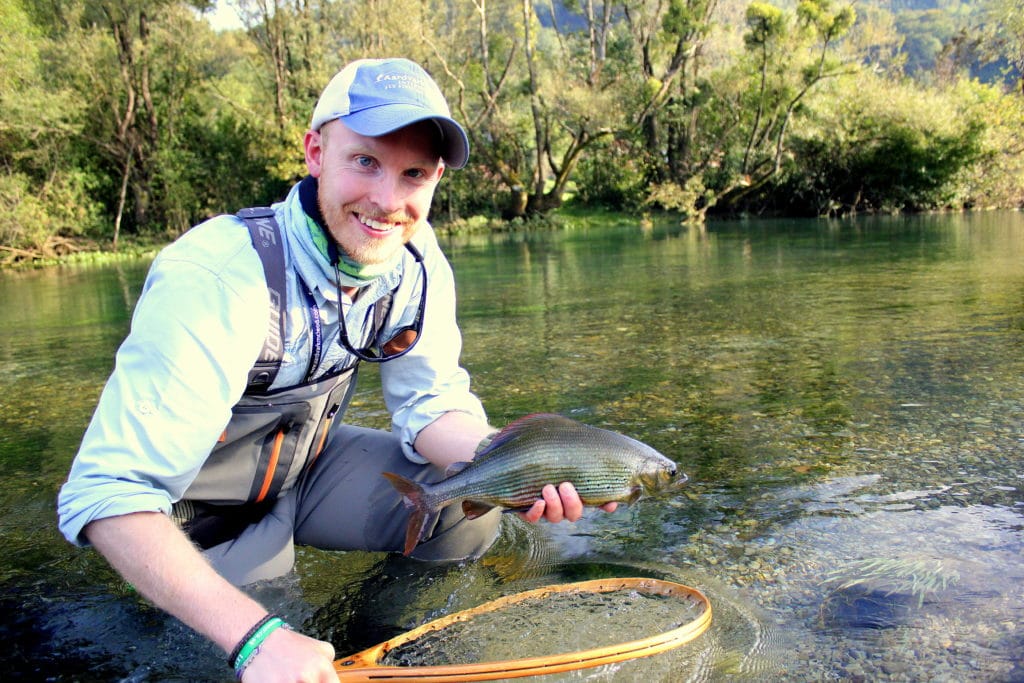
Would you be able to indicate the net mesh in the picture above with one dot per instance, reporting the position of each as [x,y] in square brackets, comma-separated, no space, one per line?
[548,625]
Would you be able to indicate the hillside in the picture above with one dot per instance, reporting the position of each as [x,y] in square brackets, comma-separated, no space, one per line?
[919,37]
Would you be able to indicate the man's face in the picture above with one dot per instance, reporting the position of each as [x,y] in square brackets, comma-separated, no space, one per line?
[374,192]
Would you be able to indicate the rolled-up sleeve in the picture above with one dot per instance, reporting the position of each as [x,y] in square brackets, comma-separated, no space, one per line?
[429,381]
[195,333]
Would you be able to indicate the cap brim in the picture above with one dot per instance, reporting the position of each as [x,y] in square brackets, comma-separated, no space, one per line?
[382,120]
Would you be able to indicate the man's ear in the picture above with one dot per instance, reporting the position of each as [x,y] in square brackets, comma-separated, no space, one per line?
[314,146]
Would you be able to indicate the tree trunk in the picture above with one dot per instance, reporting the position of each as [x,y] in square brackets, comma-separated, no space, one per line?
[122,195]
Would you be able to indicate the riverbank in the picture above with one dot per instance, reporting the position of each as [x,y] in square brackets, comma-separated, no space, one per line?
[80,250]
[75,250]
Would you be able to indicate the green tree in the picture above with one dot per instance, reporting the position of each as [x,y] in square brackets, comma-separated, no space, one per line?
[1002,33]
[668,39]
[126,126]
[887,146]
[695,105]
[45,197]
[790,56]
[482,62]
[570,87]
[155,117]
[535,99]
[926,32]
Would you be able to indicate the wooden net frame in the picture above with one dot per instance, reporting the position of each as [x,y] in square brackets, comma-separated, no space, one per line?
[365,665]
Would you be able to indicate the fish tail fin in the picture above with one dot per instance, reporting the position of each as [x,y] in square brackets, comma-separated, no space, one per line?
[412,493]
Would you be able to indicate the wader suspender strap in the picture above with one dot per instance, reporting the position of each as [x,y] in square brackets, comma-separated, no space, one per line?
[266,237]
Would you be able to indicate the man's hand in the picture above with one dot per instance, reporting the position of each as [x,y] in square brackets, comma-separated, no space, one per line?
[557,504]
[156,557]
[290,656]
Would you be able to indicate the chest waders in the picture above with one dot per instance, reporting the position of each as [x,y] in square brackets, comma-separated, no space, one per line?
[273,437]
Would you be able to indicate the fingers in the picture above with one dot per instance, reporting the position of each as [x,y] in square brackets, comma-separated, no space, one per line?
[552,504]
[570,503]
[559,504]
[556,505]
[549,507]
[534,514]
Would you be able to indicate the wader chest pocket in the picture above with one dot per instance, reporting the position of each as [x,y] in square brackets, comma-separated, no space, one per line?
[261,453]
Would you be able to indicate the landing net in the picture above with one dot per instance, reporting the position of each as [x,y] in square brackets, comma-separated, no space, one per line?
[614,617]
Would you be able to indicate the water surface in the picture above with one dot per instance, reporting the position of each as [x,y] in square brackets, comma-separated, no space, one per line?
[846,397]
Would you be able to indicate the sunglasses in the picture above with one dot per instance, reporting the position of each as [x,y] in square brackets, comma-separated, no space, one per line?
[402,341]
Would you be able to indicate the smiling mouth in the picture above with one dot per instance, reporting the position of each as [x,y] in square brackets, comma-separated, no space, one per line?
[377,225]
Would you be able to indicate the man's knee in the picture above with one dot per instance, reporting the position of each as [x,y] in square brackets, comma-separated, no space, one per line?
[264,550]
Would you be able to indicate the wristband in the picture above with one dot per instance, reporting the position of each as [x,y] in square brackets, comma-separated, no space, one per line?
[252,640]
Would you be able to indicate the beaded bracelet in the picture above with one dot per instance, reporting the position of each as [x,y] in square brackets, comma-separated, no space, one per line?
[253,639]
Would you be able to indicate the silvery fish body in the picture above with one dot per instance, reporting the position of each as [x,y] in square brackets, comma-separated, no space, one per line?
[521,459]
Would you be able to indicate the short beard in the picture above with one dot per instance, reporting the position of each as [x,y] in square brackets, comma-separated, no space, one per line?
[366,252]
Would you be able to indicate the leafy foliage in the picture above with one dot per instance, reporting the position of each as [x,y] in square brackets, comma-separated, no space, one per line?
[135,117]
[884,147]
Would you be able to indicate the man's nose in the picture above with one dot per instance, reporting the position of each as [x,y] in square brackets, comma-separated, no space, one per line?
[388,194]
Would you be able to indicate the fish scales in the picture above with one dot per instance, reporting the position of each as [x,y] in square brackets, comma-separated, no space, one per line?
[519,484]
[528,454]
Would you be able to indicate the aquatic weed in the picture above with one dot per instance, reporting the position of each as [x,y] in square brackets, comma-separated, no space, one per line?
[895,575]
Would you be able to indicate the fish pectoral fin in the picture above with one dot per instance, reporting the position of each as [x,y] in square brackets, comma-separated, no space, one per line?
[634,495]
[475,508]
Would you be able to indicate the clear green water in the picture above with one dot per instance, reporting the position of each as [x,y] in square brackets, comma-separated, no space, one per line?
[846,397]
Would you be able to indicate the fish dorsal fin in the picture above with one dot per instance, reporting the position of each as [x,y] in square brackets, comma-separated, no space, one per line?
[514,430]
[455,468]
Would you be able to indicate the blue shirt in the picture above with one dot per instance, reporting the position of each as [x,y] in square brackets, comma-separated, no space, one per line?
[196,331]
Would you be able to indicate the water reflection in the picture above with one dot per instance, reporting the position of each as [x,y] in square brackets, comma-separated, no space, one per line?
[846,398]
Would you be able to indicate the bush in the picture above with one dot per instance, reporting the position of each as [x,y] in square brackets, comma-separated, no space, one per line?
[612,175]
[33,218]
[882,147]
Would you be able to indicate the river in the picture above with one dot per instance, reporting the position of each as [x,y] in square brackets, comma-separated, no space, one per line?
[847,398]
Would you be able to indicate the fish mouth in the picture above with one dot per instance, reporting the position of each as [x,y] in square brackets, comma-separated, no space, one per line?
[675,481]
[675,476]
[664,480]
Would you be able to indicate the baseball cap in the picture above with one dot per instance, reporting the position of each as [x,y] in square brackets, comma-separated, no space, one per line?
[374,97]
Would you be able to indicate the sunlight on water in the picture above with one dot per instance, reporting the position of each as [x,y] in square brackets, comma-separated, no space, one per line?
[847,398]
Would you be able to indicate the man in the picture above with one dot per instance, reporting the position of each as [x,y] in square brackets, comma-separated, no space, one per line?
[212,453]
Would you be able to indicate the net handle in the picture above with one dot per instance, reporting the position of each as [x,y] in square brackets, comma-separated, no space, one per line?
[365,666]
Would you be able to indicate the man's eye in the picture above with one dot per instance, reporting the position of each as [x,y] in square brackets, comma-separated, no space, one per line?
[364,161]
